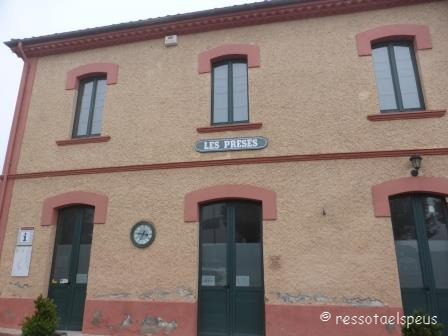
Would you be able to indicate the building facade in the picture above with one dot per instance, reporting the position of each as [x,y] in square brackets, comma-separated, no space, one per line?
[242,176]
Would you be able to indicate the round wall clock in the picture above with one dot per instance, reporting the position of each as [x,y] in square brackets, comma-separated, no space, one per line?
[143,234]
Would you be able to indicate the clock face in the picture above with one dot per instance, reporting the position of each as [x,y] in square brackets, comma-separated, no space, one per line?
[143,234]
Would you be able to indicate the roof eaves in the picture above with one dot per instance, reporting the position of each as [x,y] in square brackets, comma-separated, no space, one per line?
[196,22]
[164,19]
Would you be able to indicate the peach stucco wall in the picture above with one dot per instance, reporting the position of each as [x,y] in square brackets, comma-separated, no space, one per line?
[312,92]
[308,257]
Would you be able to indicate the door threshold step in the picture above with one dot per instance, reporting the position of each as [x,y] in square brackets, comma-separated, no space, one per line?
[18,332]
[9,332]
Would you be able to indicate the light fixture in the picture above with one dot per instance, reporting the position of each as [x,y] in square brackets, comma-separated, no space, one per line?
[416,161]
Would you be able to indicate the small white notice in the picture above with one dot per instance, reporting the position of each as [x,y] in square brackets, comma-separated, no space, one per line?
[208,280]
[22,253]
[22,259]
[243,280]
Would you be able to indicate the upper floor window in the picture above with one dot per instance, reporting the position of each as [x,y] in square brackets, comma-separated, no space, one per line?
[397,79]
[89,107]
[230,103]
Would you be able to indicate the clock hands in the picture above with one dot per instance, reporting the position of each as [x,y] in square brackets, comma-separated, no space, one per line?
[143,234]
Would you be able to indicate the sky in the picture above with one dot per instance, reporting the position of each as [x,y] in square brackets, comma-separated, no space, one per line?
[27,18]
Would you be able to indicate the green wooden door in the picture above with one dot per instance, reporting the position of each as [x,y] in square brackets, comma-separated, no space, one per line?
[420,224]
[68,282]
[231,289]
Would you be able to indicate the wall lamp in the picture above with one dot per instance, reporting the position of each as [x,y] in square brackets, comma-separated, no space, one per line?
[416,161]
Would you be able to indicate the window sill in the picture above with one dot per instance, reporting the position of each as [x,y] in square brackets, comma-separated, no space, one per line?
[231,127]
[80,141]
[407,115]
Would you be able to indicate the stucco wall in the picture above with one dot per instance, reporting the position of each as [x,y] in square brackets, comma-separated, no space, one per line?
[345,257]
[312,93]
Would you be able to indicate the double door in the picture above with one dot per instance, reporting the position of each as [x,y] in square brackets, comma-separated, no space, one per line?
[420,224]
[70,268]
[231,290]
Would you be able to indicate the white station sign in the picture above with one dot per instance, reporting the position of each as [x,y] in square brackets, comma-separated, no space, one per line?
[231,144]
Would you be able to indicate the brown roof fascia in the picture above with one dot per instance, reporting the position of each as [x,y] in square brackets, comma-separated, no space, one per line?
[228,17]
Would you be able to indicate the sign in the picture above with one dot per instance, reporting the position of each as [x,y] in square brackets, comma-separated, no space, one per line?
[21,262]
[208,280]
[25,237]
[242,280]
[231,144]
[22,253]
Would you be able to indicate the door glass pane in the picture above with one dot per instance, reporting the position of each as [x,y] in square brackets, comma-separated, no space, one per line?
[220,94]
[383,75]
[63,247]
[213,245]
[437,233]
[84,108]
[406,245]
[248,245]
[240,104]
[85,245]
[99,105]
[406,77]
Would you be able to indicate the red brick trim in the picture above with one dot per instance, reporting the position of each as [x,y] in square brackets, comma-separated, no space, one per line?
[228,191]
[112,312]
[15,142]
[108,69]
[418,33]
[226,128]
[250,52]
[382,191]
[407,115]
[53,204]
[233,162]
[80,141]
[14,310]
[105,317]
[287,319]
[294,11]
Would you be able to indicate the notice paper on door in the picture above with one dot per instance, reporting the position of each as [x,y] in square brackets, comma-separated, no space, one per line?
[243,280]
[81,278]
[208,280]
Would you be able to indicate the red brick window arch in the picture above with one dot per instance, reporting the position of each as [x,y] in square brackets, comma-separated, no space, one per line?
[419,34]
[109,70]
[422,184]
[250,52]
[194,199]
[53,204]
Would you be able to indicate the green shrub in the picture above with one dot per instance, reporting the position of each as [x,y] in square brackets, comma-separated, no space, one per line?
[423,329]
[44,321]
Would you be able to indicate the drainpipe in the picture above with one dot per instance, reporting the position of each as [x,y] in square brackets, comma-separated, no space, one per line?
[22,52]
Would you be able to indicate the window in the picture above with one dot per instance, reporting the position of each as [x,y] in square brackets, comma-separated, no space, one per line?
[397,80]
[230,103]
[89,107]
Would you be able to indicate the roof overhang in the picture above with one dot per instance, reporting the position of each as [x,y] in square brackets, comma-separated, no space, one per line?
[202,21]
